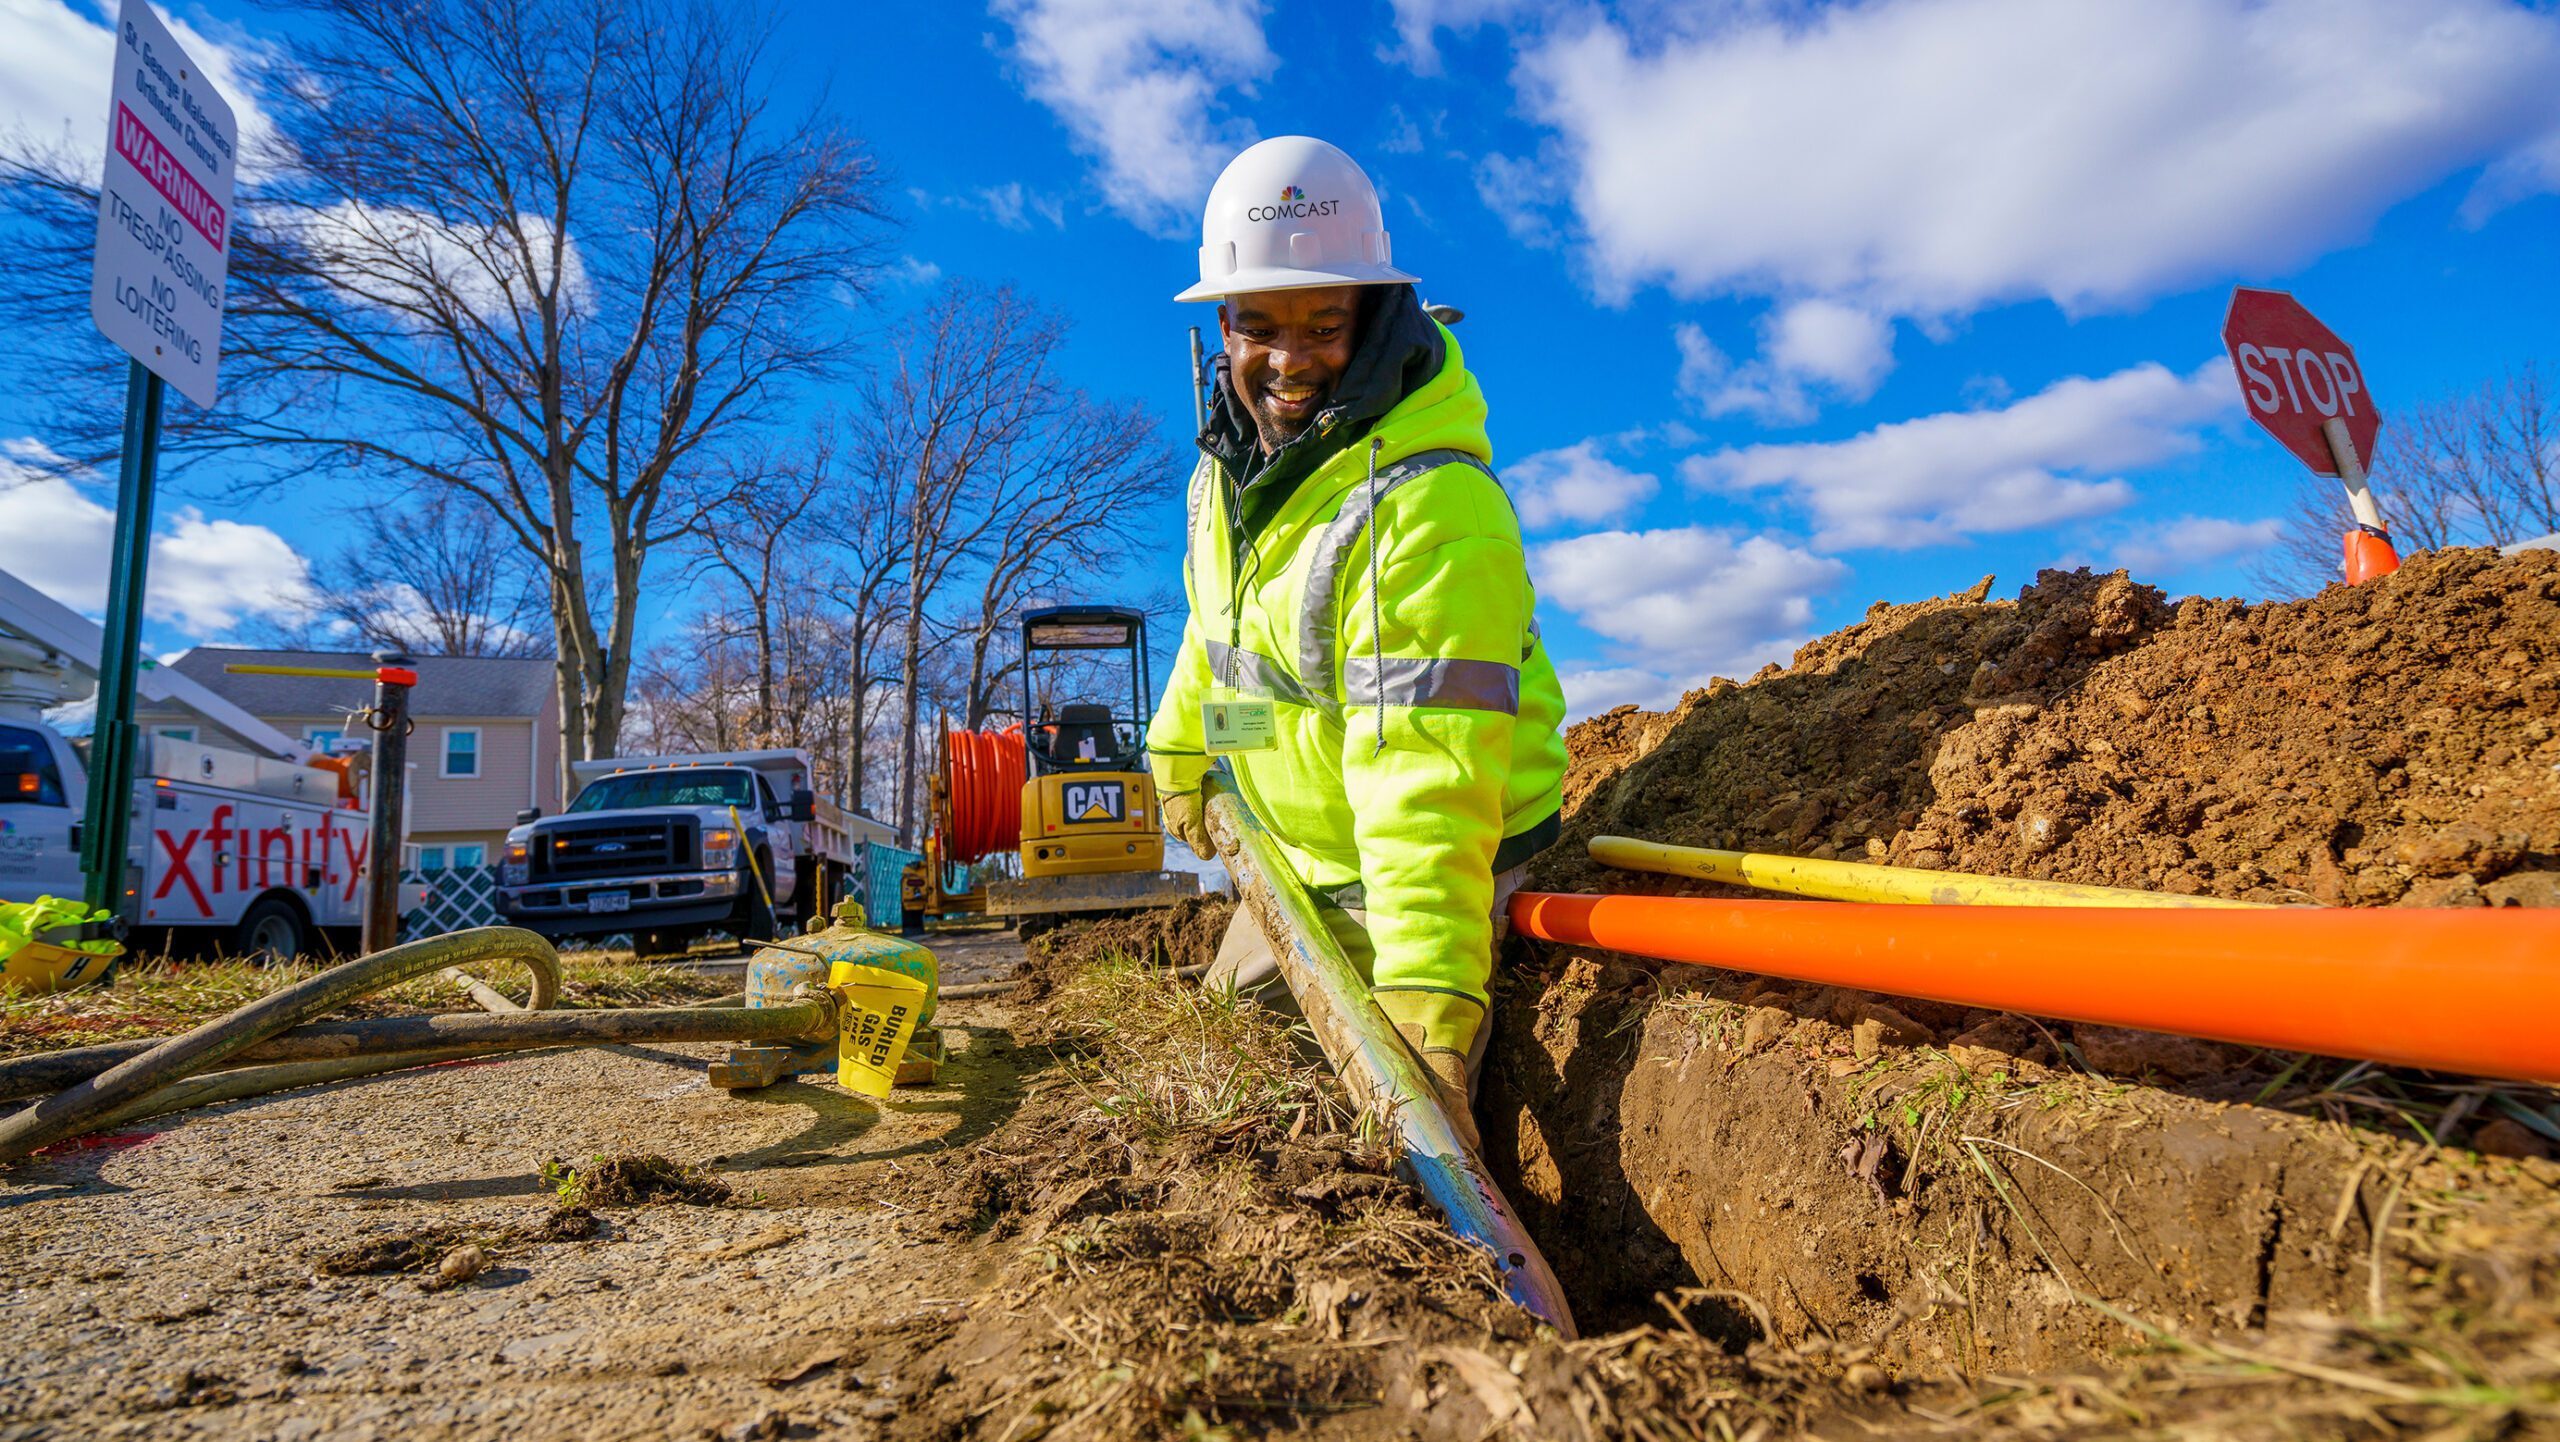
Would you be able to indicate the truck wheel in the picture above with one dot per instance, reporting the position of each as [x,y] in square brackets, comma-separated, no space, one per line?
[672,943]
[755,917]
[272,931]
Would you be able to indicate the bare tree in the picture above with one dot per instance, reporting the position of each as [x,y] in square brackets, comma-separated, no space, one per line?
[547,255]
[1068,500]
[2479,469]
[426,580]
[745,540]
[958,389]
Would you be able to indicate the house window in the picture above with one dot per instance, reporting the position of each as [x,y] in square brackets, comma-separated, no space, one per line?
[323,739]
[431,858]
[175,733]
[462,751]
[470,858]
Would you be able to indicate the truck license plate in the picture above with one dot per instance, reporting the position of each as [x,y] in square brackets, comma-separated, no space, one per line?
[602,901]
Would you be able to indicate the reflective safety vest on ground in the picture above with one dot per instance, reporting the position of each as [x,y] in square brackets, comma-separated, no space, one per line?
[1419,720]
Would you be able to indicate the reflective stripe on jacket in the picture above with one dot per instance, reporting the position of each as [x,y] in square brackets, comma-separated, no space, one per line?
[1419,719]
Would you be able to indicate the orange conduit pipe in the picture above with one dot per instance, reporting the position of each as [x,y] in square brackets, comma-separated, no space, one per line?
[2466,991]
[983,776]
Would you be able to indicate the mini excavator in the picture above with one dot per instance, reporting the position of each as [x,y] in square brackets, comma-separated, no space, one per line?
[1068,794]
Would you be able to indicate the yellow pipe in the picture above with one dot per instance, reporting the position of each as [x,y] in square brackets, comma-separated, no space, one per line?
[1858,881]
[333,672]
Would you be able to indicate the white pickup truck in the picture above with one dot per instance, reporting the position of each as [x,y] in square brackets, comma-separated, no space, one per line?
[668,848]
[257,854]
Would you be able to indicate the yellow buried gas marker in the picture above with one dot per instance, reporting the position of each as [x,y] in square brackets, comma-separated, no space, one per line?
[876,1014]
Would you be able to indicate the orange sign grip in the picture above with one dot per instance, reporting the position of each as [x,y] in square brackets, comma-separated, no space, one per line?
[2468,991]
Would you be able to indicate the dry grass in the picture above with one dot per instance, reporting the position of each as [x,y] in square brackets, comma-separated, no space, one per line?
[161,997]
[1165,1057]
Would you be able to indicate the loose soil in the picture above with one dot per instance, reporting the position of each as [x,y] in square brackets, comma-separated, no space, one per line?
[1977,1194]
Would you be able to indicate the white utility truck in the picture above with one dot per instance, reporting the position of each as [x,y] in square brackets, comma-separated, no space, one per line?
[257,854]
[669,848]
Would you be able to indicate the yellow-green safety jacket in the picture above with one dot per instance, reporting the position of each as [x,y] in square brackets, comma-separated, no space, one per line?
[1419,718]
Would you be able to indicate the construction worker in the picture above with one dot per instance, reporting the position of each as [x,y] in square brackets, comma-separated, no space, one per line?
[1361,648]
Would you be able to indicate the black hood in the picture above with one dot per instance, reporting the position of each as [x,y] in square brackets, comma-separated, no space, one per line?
[1399,350]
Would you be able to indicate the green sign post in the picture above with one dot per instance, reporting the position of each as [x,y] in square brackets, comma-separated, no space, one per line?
[163,258]
[106,835]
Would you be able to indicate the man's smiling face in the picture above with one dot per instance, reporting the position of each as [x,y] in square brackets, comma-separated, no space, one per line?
[1286,350]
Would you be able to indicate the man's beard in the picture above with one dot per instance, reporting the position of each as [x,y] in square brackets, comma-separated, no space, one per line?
[1278,431]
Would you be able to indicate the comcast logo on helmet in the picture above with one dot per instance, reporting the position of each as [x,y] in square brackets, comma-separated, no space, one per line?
[1293,205]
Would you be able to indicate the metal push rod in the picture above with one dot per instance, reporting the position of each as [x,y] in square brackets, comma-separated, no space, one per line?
[2463,991]
[1373,1062]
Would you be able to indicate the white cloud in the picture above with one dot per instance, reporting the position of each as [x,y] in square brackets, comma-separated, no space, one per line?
[1921,157]
[1839,345]
[1518,192]
[1012,205]
[1606,688]
[1689,601]
[2030,463]
[1810,350]
[2190,543]
[408,260]
[1134,81]
[913,270]
[54,79]
[1418,23]
[1575,483]
[206,575]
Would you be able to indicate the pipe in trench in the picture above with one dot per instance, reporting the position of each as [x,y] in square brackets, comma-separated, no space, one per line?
[1862,881]
[1373,1062]
[2462,991]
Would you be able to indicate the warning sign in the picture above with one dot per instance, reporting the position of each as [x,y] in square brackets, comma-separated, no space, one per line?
[164,208]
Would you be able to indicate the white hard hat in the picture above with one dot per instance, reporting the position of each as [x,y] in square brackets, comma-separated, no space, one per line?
[1290,213]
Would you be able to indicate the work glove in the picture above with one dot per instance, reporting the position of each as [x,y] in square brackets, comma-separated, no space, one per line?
[1440,1030]
[1184,817]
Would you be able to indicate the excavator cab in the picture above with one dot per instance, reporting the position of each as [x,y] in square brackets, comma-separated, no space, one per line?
[1089,821]
[1084,651]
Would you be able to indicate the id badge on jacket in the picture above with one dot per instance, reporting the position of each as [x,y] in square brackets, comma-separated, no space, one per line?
[1233,719]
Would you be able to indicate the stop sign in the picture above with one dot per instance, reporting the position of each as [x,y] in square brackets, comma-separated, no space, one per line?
[2296,374]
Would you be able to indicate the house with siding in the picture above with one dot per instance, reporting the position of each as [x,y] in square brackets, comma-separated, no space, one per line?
[487,743]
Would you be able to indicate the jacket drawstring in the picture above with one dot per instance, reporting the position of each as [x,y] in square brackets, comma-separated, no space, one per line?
[1377,628]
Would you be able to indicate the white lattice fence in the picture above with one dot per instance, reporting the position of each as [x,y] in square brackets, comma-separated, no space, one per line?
[460,899]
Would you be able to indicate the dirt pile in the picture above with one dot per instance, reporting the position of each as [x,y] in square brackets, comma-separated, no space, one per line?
[1177,937]
[2383,744]
[1972,1192]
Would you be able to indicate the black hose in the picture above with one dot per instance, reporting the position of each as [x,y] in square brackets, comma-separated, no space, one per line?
[486,1031]
[76,1108]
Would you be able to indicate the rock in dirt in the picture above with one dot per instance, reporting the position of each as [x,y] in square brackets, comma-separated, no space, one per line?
[2123,1052]
[2506,1137]
[462,1264]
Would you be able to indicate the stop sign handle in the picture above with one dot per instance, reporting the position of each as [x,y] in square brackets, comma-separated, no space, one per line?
[2369,552]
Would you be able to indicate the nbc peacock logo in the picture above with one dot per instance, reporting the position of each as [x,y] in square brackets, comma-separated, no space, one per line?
[1291,192]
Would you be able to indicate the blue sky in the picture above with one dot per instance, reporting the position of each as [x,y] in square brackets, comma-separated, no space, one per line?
[1781,308]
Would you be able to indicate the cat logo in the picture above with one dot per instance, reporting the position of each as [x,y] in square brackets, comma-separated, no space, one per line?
[1096,801]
